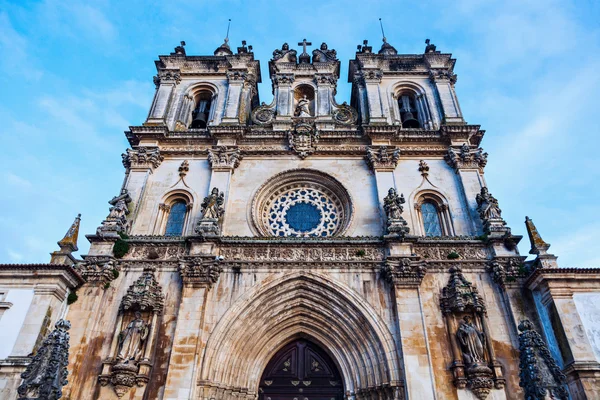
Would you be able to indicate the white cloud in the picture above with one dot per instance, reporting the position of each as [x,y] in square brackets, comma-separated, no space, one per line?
[14,256]
[16,180]
[13,47]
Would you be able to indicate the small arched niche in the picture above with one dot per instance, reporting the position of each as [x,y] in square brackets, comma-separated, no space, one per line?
[201,113]
[304,101]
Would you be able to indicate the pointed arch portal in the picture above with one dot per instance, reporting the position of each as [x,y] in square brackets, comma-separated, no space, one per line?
[307,306]
[301,368]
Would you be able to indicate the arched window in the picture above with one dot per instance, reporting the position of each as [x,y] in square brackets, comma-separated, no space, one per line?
[431,219]
[176,219]
[434,215]
[409,113]
[201,112]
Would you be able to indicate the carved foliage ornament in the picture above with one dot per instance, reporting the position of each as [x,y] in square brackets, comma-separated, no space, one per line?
[199,271]
[382,157]
[98,270]
[47,372]
[303,139]
[540,376]
[145,294]
[404,272]
[466,157]
[142,157]
[226,158]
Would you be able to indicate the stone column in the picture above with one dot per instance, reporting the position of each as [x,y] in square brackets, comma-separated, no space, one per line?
[444,83]
[198,276]
[43,310]
[223,160]
[405,274]
[372,80]
[139,163]
[234,95]
[165,83]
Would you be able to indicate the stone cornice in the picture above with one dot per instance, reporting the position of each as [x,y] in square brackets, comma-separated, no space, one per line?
[563,282]
[32,274]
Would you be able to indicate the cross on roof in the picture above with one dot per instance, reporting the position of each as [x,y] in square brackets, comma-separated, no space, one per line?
[304,43]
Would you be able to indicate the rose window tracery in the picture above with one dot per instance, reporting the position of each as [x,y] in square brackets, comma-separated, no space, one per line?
[302,203]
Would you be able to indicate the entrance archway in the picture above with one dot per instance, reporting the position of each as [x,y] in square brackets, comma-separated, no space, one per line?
[301,370]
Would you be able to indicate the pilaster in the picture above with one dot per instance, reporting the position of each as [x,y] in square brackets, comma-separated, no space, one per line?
[165,82]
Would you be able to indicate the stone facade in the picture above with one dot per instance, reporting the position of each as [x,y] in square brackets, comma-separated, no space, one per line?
[365,229]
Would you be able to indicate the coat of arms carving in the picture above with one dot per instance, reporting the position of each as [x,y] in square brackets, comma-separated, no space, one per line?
[303,139]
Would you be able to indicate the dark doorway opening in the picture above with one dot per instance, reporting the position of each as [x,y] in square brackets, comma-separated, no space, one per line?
[301,370]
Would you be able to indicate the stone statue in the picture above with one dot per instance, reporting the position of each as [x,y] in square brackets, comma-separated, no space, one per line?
[132,338]
[302,108]
[285,54]
[488,205]
[472,342]
[212,205]
[324,54]
[393,205]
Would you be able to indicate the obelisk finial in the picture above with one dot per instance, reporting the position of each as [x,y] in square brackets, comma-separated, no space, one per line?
[538,246]
[71,236]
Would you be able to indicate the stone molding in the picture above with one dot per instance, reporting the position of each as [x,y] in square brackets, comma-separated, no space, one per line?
[65,276]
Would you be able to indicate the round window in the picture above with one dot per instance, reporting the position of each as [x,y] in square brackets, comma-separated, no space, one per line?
[302,203]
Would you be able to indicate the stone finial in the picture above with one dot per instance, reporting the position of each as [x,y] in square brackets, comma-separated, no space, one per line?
[539,382]
[47,373]
[70,239]
[68,245]
[538,246]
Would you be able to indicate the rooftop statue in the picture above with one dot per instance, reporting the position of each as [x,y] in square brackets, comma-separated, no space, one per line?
[323,54]
[285,54]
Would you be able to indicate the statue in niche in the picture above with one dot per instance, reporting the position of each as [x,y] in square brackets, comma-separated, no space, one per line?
[472,342]
[302,108]
[488,205]
[212,205]
[132,338]
[285,54]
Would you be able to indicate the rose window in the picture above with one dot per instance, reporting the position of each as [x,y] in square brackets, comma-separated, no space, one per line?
[302,203]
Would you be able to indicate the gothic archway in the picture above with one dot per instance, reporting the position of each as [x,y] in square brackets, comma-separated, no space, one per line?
[301,368]
[300,305]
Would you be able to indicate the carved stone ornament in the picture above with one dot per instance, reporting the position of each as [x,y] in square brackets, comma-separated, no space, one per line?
[98,270]
[474,364]
[466,157]
[404,271]
[392,205]
[145,294]
[423,168]
[490,213]
[142,157]
[224,158]
[506,271]
[382,158]
[540,376]
[47,372]
[116,222]
[345,114]
[263,115]
[130,362]
[303,139]
[199,271]
[167,77]
[371,76]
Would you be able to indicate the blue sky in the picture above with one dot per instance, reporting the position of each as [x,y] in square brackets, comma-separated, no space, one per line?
[75,74]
